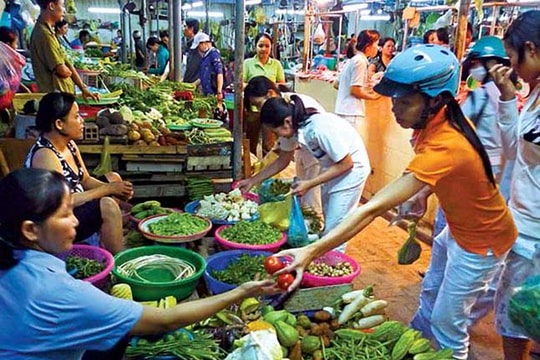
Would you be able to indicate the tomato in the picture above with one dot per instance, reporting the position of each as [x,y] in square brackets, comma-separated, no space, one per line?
[273,264]
[285,280]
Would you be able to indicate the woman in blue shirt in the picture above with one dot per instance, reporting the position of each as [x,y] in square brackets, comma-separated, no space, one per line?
[50,314]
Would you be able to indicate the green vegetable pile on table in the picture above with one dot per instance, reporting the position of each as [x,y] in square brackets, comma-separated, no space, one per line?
[242,270]
[82,268]
[178,224]
[252,233]
[199,187]
[195,345]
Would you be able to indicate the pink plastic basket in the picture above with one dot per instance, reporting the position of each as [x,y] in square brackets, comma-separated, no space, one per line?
[95,253]
[231,245]
[331,258]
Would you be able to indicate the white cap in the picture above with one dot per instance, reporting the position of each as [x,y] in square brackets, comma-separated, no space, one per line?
[199,38]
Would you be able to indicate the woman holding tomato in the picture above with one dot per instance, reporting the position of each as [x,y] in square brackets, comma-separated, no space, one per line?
[450,159]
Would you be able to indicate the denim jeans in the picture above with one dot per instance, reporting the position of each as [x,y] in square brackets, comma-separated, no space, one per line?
[453,282]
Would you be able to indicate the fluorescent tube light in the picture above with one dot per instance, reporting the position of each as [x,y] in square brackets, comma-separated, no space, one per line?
[100,10]
[375,17]
[252,2]
[197,4]
[201,14]
[289,12]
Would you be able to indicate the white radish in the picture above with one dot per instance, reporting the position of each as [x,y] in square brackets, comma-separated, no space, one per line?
[351,295]
[348,311]
[369,322]
[374,308]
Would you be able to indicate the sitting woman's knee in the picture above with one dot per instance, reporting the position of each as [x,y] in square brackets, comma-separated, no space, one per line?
[113,177]
[109,207]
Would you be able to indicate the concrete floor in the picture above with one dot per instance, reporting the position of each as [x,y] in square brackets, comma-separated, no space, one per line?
[375,249]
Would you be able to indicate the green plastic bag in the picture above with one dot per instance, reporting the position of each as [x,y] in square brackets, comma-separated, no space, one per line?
[524,306]
[276,213]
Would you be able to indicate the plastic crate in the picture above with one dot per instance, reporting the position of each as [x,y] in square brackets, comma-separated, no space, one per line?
[20,99]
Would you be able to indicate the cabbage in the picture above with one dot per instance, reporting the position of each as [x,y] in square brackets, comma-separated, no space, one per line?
[126,113]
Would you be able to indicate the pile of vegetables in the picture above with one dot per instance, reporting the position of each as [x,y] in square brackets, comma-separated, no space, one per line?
[184,344]
[251,232]
[243,269]
[82,268]
[323,269]
[138,268]
[148,208]
[199,187]
[178,224]
[229,207]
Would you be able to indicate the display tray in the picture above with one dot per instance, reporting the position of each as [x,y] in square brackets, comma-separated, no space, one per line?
[204,123]
[101,101]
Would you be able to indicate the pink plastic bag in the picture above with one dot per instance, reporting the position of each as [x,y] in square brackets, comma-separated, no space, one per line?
[11,63]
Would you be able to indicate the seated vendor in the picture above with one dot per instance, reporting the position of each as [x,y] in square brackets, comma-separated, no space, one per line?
[60,124]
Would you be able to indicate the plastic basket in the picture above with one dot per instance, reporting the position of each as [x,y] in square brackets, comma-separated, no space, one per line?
[331,258]
[151,291]
[95,253]
[20,99]
[231,245]
[220,261]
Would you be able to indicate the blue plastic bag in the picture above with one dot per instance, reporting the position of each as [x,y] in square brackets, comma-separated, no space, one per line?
[297,235]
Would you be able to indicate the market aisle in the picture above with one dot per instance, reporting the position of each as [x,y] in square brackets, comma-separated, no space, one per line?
[376,251]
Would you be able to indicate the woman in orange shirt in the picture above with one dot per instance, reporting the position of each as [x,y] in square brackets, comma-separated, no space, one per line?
[450,159]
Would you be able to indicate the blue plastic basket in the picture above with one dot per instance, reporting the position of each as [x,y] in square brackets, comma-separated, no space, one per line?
[220,261]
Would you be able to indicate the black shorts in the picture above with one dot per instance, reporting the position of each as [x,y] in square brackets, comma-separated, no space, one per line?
[89,216]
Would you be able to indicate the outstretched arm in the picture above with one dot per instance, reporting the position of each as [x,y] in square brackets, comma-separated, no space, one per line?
[392,195]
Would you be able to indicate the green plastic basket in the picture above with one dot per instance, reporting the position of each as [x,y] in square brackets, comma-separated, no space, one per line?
[163,286]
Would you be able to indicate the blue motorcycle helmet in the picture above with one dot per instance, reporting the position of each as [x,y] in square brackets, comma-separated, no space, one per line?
[428,68]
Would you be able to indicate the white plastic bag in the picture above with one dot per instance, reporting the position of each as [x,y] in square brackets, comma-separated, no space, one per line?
[258,345]
[319,37]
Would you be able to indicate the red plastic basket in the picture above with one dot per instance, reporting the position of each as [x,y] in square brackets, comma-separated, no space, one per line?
[331,258]
[95,253]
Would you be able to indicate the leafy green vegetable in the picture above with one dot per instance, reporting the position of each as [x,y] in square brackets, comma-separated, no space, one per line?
[178,224]
[82,268]
[243,269]
[252,233]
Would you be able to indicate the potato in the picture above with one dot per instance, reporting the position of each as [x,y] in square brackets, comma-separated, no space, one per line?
[134,135]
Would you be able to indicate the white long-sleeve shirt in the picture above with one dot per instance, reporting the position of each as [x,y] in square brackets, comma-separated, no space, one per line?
[521,142]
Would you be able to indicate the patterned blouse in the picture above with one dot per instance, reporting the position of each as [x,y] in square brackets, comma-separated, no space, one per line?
[73,178]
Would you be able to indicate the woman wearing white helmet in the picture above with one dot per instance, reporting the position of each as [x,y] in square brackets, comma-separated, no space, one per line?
[449,160]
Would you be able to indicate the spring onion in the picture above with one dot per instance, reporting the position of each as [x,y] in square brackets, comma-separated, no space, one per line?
[178,268]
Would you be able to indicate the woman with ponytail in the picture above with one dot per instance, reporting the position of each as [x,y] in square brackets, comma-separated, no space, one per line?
[340,151]
[450,159]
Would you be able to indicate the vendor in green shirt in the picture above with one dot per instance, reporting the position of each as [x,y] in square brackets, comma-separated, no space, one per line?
[52,69]
[262,64]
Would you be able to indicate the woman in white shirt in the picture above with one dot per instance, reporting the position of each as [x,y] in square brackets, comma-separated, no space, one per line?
[352,84]
[340,152]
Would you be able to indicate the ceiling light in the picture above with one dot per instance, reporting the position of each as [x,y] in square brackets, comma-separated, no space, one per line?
[101,10]
[375,17]
[201,14]
[252,2]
